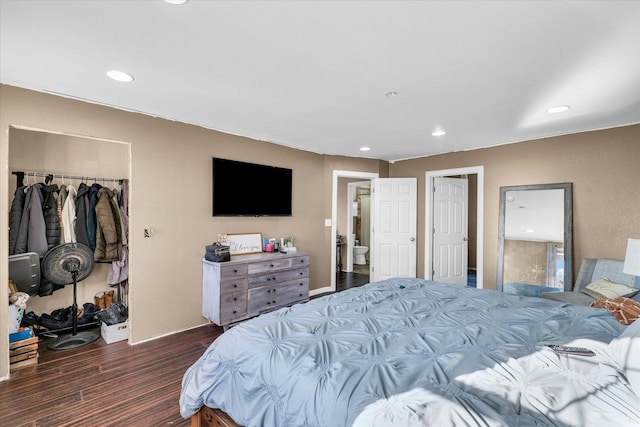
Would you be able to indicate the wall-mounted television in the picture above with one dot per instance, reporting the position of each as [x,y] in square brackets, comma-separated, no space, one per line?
[249,189]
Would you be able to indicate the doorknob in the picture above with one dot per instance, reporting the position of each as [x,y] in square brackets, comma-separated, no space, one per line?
[413,239]
[465,239]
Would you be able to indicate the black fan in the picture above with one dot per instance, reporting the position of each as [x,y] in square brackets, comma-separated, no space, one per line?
[66,264]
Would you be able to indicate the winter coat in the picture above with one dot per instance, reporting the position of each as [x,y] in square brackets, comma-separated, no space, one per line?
[81,204]
[37,237]
[108,231]
[31,234]
[15,216]
[50,210]
[117,213]
[92,222]
[69,216]
[62,196]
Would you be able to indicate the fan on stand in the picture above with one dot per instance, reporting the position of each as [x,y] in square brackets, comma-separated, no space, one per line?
[66,264]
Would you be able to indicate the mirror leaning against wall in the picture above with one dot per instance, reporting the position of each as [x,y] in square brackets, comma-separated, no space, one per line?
[535,239]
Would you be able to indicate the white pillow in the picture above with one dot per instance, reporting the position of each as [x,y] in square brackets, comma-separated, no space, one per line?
[626,351]
[604,288]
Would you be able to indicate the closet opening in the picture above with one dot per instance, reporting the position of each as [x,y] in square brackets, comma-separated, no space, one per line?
[82,184]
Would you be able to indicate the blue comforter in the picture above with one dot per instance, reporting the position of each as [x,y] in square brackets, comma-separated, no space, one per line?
[411,352]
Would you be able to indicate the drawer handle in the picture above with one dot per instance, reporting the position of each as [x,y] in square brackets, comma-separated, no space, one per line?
[301,273]
[271,265]
[235,311]
[235,299]
[235,285]
[274,290]
[274,301]
[302,261]
[301,284]
[268,302]
[268,290]
[235,271]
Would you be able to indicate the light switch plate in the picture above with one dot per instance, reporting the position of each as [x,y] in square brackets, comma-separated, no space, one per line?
[327,222]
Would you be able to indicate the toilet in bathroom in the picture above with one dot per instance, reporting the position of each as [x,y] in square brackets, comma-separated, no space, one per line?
[359,254]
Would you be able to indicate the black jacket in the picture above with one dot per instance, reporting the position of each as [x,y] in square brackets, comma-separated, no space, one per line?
[15,216]
[82,202]
[50,210]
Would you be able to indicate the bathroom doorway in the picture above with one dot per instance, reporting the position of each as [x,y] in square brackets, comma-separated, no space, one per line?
[359,227]
[342,221]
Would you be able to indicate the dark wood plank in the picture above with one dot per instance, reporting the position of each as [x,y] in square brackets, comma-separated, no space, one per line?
[104,384]
[350,280]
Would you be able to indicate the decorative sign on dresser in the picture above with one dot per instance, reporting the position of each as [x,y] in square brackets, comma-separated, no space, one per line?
[252,284]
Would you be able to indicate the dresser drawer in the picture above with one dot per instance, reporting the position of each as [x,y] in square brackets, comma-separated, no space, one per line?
[300,261]
[273,296]
[300,273]
[297,290]
[233,306]
[271,265]
[231,285]
[277,277]
[232,270]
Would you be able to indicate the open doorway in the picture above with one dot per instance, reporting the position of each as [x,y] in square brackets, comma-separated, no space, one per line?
[343,225]
[476,220]
[358,219]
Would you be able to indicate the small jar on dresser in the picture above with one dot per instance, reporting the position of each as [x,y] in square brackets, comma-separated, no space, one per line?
[252,284]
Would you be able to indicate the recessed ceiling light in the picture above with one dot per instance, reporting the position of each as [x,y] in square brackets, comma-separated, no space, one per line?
[438,133]
[365,148]
[176,1]
[391,94]
[529,230]
[558,109]
[120,76]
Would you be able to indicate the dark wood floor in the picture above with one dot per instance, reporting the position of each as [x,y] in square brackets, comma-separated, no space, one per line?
[104,384]
[350,280]
[111,384]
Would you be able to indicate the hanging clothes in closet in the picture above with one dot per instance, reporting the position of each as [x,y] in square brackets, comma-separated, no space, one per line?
[119,271]
[44,215]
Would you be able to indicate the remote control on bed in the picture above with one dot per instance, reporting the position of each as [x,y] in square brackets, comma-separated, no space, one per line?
[580,351]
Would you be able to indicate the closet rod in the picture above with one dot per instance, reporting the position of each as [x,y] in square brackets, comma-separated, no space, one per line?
[49,176]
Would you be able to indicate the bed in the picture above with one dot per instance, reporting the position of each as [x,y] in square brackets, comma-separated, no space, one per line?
[412,352]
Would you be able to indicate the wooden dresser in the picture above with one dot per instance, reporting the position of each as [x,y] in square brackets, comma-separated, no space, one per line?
[252,284]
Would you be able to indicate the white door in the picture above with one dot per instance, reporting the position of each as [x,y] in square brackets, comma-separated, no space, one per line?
[450,230]
[394,228]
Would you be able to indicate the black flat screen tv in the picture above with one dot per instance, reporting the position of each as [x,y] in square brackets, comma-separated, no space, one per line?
[249,189]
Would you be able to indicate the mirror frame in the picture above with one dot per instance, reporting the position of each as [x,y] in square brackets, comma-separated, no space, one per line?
[568,229]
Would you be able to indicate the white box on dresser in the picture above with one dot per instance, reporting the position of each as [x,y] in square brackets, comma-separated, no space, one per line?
[252,284]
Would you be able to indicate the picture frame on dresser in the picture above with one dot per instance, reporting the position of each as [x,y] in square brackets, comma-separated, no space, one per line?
[247,243]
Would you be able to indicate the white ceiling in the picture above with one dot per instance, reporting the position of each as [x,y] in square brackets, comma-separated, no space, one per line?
[314,74]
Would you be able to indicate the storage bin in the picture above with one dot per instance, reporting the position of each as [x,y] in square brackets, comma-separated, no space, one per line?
[114,333]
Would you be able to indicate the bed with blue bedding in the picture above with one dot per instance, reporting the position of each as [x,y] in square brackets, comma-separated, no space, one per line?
[412,352]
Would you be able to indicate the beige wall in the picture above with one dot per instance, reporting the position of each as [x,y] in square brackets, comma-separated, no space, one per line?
[170,192]
[602,165]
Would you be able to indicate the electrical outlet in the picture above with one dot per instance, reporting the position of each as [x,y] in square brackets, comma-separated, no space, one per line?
[148,232]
